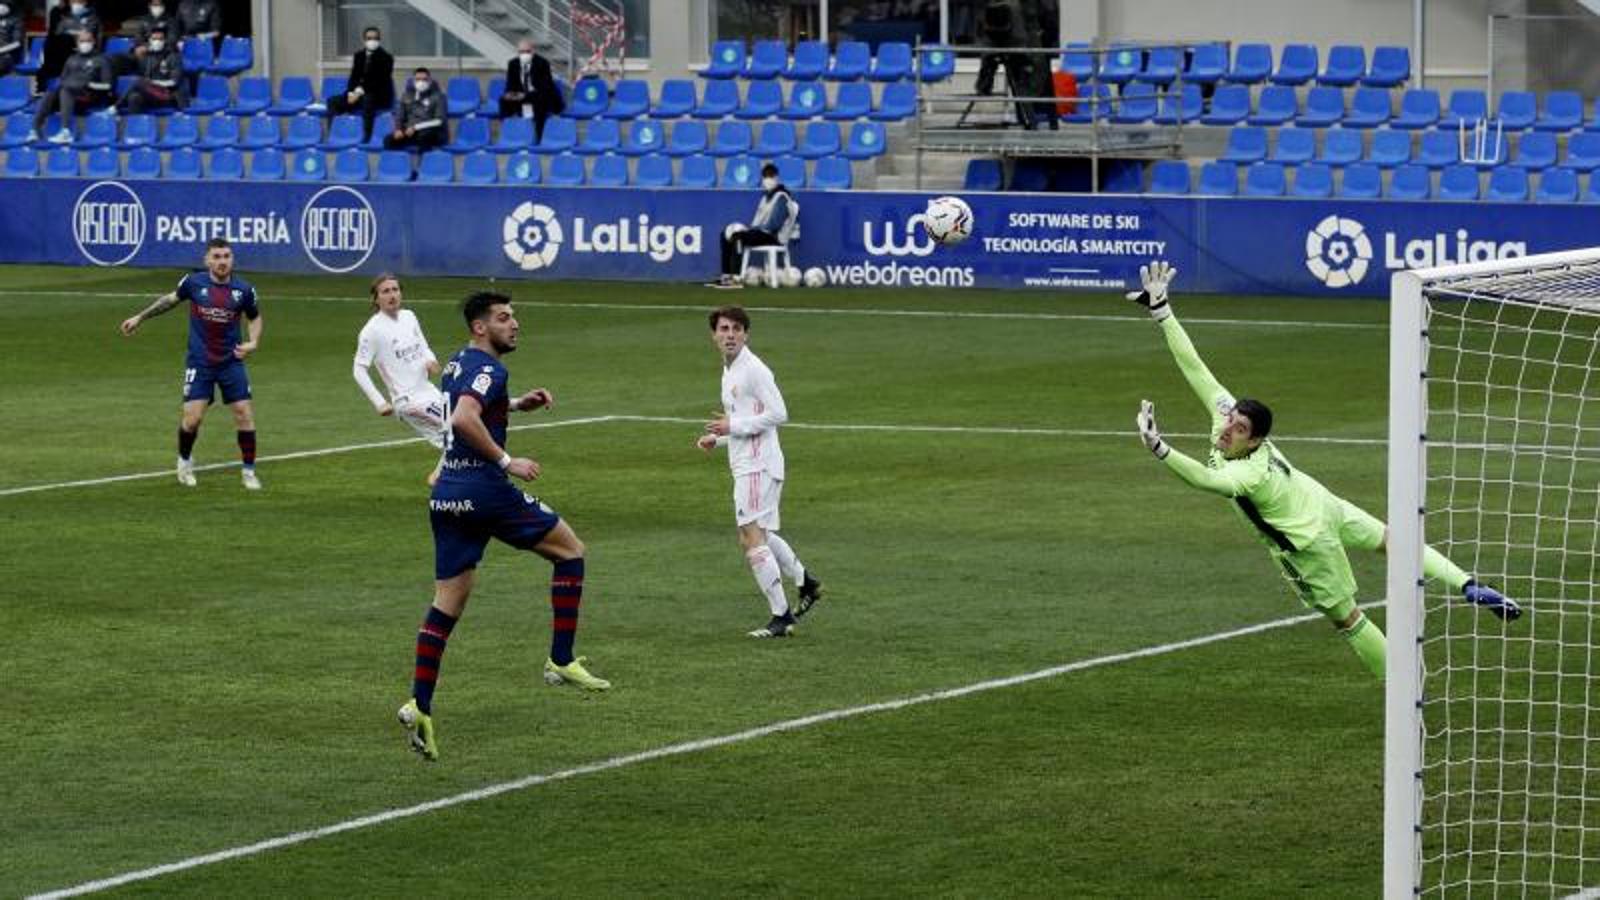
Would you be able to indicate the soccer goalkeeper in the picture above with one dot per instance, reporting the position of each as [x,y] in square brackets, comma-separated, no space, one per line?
[1305,527]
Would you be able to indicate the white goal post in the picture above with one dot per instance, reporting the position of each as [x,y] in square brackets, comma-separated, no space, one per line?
[1492,729]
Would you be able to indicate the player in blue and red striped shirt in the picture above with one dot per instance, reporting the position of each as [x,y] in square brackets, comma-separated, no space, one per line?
[218,300]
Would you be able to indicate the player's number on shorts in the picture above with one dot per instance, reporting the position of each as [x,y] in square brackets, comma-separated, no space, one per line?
[188,377]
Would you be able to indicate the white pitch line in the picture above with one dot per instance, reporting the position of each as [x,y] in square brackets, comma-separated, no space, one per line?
[670,750]
[1585,894]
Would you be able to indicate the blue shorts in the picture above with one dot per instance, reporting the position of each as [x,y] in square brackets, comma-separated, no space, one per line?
[466,516]
[201,382]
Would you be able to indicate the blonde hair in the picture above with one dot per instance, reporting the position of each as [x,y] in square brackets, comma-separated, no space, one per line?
[377,283]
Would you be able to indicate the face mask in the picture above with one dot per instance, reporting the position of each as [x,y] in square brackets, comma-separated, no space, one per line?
[768,184]
[527,58]
[157,45]
[4,9]
[79,9]
[85,49]
[373,45]
[421,85]
[157,11]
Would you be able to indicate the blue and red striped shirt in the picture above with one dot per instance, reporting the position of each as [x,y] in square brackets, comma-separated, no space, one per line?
[214,312]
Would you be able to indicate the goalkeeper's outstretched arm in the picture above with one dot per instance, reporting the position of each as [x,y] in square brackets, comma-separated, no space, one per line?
[1156,279]
[1223,482]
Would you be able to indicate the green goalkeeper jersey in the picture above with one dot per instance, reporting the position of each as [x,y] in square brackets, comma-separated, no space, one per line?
[1284,504]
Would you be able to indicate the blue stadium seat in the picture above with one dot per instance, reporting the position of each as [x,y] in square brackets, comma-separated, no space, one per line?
[1369,108]
[1563,111]
[144,162]
[776,138]
[521,168]
[1276,105]
[560,135]
[303,131]
[1439,149]
[33,59]
[1458,183]
[642,137]
[1508,184]
[1120,64]
[1536,151]
[850,61]
[1390,148]
[15,132]
[61,162]
[1137,104]
[1252,63]
[938,64]
[1218,179]
[727,60]
[382,127]
[762,100]
[677,99]
[1029,175]
[600,136]
[212,96]
[810,61]
[350,166]
[254,96]
[472,135]
[394,166]
[1361,181]
[852,101]
[566,170]
[1207,63]
[1346,65]
[1391,67]
[15,94]
[184,163]
[344,132]
[806,101]
[1583,151]
[697,172]
[589,99]
[767,59]
[102,162]
[1169,176]
[791,171]
[1518,110]
[831,174]
[1340,146]
[1410,182]
[308,165]
[1297,64]
[124,84]
[630,100]
[983,175]
[1265,179]
[197,56]
[1419,108]
[490,107]
[183,130]
[294,96]
[1312,181]
[867,140]
[259,131]
[463,95]
[98,131]
[332,86]
[267,164]
[898,102]
[436,167]
[1466,106]
[1122,177]
[1246,144]
[237,55]
[1177,106]
[653,171]
[480,168]
[1091,106]
[719,100]
[739,172]
[734,138]
[1077,61]
[1591,193]
[821,140]
[1295,146]
[1557,186]
[688,137]
[22,162]
[1324,107]
[137,131]
[1230,105]
[226,164]
[1160,66]
[892,63]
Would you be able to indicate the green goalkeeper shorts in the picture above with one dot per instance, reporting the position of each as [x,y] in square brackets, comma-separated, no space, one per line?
[1319,573]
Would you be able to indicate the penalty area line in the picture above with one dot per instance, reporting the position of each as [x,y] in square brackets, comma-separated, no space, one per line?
[664,752]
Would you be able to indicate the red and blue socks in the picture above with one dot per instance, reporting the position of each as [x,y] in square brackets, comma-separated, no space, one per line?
[566,594]
[431,638]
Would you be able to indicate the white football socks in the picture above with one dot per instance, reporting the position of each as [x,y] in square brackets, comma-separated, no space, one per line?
[768,577]
[793,569]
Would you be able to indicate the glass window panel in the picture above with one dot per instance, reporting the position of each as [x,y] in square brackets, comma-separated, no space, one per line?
[876,21]
[751,20]
[967,19]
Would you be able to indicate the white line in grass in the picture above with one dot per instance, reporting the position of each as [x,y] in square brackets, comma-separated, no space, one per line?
[673,420]
[670,750]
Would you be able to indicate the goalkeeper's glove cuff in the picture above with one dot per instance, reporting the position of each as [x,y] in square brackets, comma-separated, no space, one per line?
[1160,310]
[1161,449]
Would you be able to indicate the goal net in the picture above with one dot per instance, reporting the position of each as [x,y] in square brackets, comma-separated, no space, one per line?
[1492,744]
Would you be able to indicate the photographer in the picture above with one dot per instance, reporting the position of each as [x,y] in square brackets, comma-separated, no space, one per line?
[1015,23]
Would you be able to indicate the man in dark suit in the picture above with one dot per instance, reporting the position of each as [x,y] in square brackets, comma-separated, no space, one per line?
[530,91]
[370,89]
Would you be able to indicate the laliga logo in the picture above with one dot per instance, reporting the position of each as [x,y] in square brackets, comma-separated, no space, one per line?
[917,242]
[338,229]
[532,236]
[108,223]
[1337,252]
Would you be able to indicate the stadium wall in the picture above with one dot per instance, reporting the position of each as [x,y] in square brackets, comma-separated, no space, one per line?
[1254,246]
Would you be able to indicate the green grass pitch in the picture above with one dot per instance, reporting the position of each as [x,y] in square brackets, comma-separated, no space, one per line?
[189,671]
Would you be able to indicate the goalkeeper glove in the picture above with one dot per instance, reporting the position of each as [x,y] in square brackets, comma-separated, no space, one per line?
[1155,278]
[1148,432]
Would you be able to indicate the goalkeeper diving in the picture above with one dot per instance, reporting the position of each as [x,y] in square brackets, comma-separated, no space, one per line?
[1305,527]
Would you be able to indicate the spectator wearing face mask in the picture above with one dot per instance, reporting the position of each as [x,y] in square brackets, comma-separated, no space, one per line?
[530,89]
[160,84]
[10,38]
[421,124]
[86,81]
[67,20]
[774,223]
[370,87]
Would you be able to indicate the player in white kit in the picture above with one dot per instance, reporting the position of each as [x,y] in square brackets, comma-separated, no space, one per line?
[752,410]
[393,341]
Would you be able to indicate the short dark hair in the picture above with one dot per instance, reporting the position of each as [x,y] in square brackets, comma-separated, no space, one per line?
[769,169]
[477,305]
[732,313]
[423,70]
[1260,417]
[370,29]
[218,243]
[159,29]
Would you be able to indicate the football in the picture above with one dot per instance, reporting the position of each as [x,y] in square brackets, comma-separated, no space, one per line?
[791,277]
[815,277]
[948,220]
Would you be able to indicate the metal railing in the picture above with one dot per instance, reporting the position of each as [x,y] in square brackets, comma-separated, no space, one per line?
[578,33]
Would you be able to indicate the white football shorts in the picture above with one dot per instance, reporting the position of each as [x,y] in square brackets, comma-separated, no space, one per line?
[755,500]
[423,410]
